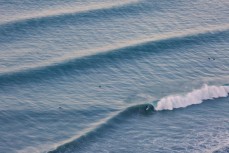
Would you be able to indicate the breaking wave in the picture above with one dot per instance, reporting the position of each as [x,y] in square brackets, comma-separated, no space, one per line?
[195,97]
[168,103]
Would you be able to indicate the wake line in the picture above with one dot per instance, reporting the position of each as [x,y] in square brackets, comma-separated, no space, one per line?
[129,49]
[195,97]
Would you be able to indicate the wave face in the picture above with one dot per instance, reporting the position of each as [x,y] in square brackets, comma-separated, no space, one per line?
[195,97]
[103,127]
[137,115]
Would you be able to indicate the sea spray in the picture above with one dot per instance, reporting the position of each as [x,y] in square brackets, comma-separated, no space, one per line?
[196,96]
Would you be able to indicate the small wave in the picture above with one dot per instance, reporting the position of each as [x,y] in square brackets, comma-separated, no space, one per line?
[68,11]
[16,29]
[130,49]
[195,97]
[77,143]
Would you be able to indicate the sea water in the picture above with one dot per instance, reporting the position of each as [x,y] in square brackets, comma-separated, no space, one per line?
[124,76]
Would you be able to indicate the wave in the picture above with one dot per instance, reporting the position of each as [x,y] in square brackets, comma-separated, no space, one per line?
[18,28]
[110,54]
[195,97]
[77,143]
[68,11]
[167,103]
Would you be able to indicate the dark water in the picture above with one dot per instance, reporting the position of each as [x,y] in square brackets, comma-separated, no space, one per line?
[114,76]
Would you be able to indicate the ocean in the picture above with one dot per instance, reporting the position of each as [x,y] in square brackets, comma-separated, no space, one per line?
[105,76]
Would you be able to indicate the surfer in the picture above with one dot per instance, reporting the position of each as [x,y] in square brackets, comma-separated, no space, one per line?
[149,107]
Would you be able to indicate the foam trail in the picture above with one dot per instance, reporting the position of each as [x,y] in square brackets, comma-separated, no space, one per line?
[195,97]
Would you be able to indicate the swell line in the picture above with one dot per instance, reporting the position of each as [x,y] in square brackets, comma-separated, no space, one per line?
[24,26]
[101,127]
[127,50]
[69,11]
[197,96]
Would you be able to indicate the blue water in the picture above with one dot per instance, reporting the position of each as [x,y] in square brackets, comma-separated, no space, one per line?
[114,76]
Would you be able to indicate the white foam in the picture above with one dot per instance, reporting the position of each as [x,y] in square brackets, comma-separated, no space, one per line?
[194,97]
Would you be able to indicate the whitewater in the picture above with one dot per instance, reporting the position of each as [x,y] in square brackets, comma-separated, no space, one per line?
[114,76]
[194,97]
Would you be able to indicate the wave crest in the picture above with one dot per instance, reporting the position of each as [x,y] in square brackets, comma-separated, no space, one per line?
[195,97]
[54,13]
